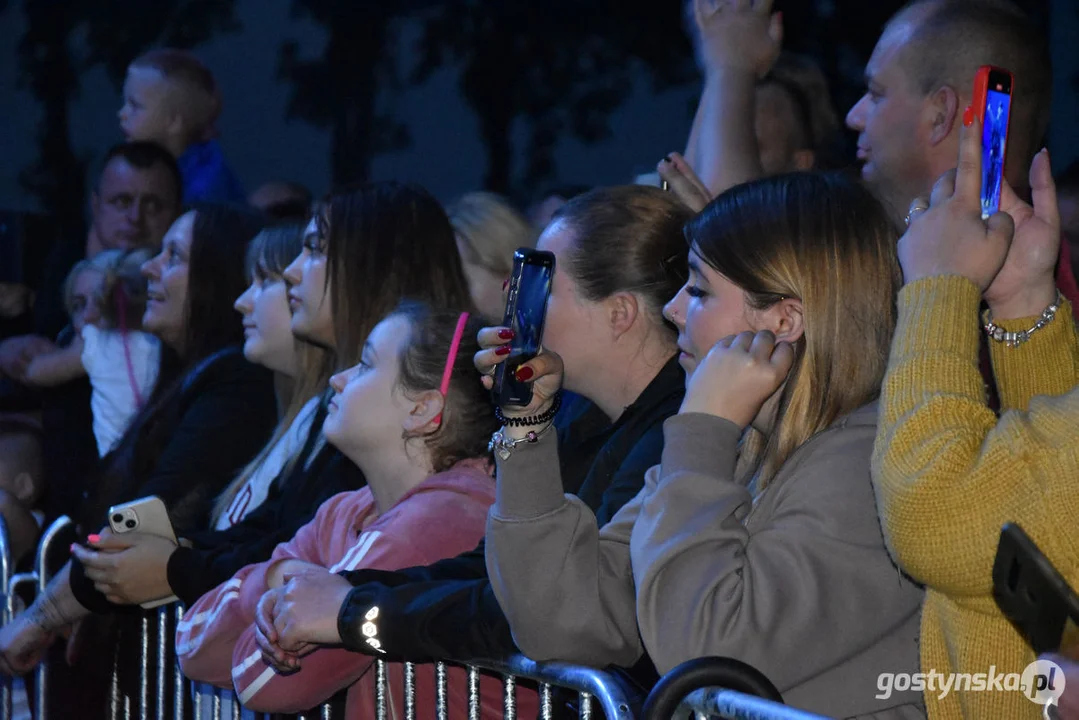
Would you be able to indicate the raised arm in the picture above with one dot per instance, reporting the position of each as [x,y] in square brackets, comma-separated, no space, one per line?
[56,367]
[738,46]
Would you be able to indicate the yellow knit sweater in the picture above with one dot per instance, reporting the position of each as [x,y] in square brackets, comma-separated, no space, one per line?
[949,473]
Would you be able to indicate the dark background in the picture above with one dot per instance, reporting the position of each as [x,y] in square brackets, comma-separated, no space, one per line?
[459,94]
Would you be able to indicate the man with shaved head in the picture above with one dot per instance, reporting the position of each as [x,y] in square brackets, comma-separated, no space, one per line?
[919,81]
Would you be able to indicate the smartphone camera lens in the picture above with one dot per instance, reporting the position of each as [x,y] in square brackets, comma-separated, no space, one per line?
[130,524]
[117,518]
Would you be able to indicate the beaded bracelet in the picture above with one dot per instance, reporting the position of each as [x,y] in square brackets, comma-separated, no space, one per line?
[1015,339]
[540,419]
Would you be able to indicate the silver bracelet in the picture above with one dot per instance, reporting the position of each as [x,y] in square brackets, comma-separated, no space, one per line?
[1015,339]
[504,446]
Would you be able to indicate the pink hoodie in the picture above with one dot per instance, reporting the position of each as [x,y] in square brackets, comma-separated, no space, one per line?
[441,518]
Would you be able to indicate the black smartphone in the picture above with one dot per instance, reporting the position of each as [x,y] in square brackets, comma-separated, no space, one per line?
[526,308]
[993,103]
[1033,594]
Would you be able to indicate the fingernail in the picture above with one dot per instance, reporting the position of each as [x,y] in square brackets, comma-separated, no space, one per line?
[72,548]
[504,350]
[524,373]
[667,159]
[93,538]
[968,116]
[506,334]
[505,283]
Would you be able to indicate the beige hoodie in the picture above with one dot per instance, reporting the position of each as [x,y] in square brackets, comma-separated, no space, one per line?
[797,582]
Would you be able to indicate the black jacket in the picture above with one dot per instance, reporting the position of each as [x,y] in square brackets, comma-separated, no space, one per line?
[448,610]
[224,415]
[319,473]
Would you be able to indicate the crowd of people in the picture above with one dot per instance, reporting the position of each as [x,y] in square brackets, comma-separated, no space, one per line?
[792,407]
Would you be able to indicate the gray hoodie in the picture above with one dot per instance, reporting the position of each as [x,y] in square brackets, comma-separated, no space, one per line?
[797,581]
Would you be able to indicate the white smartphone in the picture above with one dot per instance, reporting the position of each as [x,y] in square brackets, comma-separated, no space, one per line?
[146,515]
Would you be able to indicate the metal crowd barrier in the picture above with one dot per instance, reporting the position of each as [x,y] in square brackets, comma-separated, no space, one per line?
[163,693]
[708,687]
[718,688]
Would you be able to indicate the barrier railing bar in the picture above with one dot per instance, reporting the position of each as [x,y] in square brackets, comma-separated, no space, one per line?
[732,705]
[473,693]
[215,707]
[615,697]
[6,613]
[144,668]
[440,691]
[178,674]
[410,691]
[546,702]
[586,707]
[380,690]
[41,569]
[509,697]
[161,671]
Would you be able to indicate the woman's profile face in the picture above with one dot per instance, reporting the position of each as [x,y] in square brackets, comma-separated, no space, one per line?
[368,408]
[573,325]
[309,293]
[166,291]
[268,338]
[708,308]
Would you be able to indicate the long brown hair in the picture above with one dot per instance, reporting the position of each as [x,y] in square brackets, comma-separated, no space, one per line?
[824,239]
[385,242]
[267,257]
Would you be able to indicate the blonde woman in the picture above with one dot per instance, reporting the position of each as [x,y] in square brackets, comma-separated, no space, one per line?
[756,537]
[488,230]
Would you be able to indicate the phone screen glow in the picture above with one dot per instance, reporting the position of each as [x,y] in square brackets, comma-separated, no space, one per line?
[994,136]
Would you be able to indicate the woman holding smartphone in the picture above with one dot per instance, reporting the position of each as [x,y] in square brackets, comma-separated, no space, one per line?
[756,535]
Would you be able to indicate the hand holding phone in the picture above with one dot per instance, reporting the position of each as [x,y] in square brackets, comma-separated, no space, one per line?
[526,310]
[992,103]
[146,515]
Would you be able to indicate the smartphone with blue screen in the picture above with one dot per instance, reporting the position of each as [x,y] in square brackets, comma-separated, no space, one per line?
[526,309]
[993,104]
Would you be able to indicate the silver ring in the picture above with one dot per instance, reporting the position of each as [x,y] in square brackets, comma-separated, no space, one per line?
[917,206]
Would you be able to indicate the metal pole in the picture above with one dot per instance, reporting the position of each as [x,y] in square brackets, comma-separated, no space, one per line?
[42,571]
[178,675]
[473,693]
[380,690]
[6,612]
[410,691]
[509,697]
[440,691]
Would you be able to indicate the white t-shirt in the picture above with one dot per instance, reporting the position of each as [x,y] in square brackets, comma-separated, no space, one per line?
[254,491]
[113,401]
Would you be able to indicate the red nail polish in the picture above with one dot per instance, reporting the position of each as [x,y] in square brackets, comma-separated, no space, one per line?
[968,116]
[506,334]
[503,350]
[93,538]
[505,284]
[524,373]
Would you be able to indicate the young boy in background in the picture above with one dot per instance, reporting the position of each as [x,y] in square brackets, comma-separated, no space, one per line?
[171,98]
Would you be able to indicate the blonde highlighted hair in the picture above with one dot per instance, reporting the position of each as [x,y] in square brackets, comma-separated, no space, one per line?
[267,257]
[824,239]
[490,230]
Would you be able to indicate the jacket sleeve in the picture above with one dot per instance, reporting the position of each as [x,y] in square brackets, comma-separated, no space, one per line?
[216,556]
[327,670]
[707,586]
[948,472]
[565,586]
[224,426]
[207,635]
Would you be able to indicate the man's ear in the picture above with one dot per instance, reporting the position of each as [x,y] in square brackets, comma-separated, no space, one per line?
[426,410]
[942,110]
[785,319]
[622,311]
